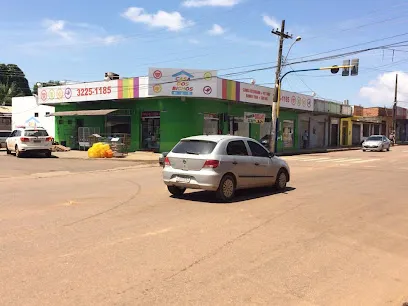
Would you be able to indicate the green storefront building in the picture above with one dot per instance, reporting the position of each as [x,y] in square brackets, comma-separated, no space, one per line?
[156,111]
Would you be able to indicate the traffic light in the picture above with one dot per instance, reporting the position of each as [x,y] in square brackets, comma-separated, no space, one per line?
[334,69]
[354,63]
[346,70]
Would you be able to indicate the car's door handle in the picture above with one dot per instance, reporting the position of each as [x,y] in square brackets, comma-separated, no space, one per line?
[234,163]
[256,164]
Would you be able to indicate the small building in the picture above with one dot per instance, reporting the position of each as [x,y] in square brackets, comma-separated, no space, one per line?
[27,112]
[5,118]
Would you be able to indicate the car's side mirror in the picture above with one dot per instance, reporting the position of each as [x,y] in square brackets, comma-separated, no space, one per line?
[271,154]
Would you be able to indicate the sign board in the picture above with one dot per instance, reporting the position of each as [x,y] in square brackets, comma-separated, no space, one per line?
[151,114]
[296,101]
[254,118]
[209,116]
[256,94]
[182,83]
[92,91]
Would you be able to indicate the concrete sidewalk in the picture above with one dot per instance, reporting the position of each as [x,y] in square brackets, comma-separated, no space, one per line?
[142,157]
[151,158]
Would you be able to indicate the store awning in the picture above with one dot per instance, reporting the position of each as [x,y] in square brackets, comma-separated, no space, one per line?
[96,112]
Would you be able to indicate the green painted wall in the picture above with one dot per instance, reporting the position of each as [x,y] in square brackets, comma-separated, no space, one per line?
[178,118]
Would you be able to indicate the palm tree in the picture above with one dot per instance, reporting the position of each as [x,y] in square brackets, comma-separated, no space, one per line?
[7,92]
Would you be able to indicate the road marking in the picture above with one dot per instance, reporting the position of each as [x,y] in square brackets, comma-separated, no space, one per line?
[364,161]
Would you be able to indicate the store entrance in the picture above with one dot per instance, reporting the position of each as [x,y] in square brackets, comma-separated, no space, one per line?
[151,131]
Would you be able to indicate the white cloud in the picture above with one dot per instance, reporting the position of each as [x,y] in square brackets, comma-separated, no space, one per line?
[216,30]
[58,27]
[111,39]
[64,33]
[172,21]
[246,41]
[271,21]
[201,3]
[194,41]
[380,92]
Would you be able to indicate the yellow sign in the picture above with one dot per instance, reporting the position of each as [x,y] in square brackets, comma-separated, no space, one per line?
[208,76]
[157,88]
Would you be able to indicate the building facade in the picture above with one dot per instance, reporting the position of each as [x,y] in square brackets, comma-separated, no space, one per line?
[156,111]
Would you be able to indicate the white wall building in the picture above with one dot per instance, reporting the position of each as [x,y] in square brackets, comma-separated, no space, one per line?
[26,111]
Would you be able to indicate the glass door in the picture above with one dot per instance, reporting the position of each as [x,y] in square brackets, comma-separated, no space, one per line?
[151,132]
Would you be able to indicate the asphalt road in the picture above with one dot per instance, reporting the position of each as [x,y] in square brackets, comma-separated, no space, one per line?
[103,233]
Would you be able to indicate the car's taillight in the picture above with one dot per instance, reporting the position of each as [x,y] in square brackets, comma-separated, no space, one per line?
[24,139]
[167,161]
[211,163]
[48,139]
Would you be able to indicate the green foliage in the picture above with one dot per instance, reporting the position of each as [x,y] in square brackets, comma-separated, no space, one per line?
[14,80]
[49,83]
[8,91]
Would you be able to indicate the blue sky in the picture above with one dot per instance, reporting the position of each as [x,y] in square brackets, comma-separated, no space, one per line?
[80,40]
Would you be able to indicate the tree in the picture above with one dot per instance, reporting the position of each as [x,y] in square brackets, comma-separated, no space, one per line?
[49,83]
[7,92]
[12,74]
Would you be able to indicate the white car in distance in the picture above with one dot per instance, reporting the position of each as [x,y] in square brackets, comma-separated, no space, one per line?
[25,140]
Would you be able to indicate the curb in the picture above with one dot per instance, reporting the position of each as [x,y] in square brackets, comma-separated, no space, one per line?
[112,159]
[317,151]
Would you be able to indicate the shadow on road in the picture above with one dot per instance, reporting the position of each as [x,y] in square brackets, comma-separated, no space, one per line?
[240,196]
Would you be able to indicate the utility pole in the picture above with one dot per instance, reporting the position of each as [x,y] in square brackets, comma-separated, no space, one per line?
[282,36]
[394,109]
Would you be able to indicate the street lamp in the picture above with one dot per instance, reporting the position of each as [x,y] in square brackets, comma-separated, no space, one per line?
[299,38]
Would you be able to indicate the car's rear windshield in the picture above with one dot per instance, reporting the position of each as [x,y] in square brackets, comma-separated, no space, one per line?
[375,138]
[35,133]
[5,134]
[194,147]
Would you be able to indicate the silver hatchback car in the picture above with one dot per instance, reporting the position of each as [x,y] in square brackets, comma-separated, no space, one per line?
[376,143]
[222,163]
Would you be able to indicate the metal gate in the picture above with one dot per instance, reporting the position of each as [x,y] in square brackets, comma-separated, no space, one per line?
[356,134]
[83,136]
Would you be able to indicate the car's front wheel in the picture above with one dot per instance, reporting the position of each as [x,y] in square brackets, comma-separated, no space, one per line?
[8,151]
[281,180]
[226,190]
[176,191]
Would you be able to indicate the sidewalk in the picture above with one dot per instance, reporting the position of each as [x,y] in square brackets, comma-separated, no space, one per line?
[153,158]
[317,150]
[141,157]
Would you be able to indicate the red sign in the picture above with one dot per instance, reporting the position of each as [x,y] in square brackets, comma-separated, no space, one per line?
[207,90]
[150,114]
[157,74]
[43,95]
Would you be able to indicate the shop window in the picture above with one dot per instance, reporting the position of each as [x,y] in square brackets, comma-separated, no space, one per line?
[36,115]
[60,121]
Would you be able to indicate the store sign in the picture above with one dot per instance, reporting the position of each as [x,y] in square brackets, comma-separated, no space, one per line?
[209,116]
[152,114]
[182,83]
[256,94]
[254,118]
[296,101]
[93,91]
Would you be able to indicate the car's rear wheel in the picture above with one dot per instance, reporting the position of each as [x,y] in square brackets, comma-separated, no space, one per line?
[18,153]
[8,151]
[226,190]
[281,180]
[48,154]
[176,191]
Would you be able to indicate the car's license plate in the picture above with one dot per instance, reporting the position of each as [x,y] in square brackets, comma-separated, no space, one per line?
[37,140]
[182,179]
